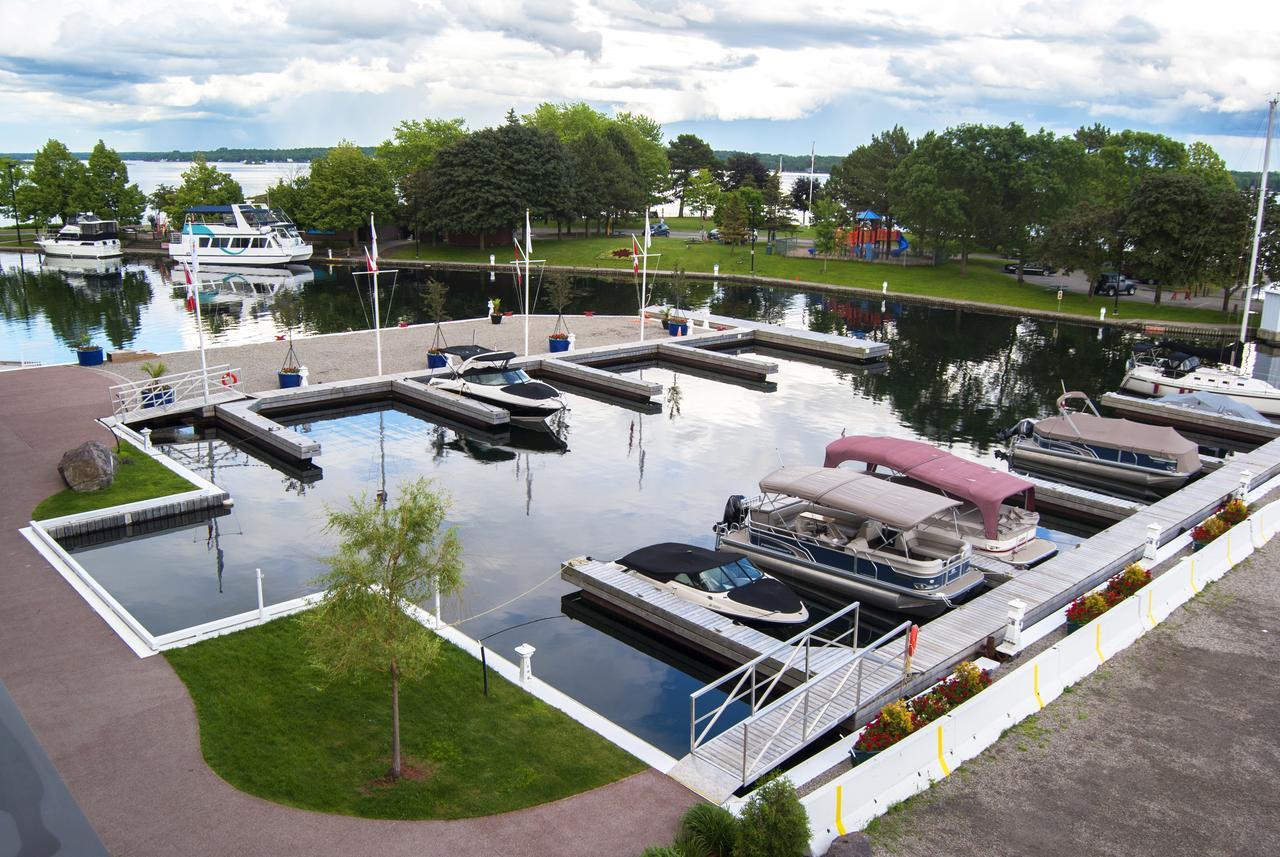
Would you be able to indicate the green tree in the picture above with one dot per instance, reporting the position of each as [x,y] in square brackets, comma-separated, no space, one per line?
[345,186]
[164,198]
[203,184]
[798,195]
[731,214]
[1202,159]
[13,180]
[741,169]
[290,195]
[596,167]
[687,154]
[414,144]
[108,192]
[773,823]
[1088,236]
[703,194]
[861,179]
[57,184]
[774,215]
[388,557]
[828,217]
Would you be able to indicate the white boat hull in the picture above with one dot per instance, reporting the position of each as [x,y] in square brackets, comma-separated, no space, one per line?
[1149,381]
[79,250]
[220,256]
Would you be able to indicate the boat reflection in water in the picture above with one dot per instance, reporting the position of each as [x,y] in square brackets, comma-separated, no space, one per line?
[86,273]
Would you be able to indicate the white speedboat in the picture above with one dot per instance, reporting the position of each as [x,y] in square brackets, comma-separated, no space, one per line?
[484,374]
[985,520]
[1164,372]
[724,582]
[242,234]
[855,534]
[85,237]
[1102,452]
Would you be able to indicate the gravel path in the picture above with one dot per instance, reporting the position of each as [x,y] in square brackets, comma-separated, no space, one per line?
[1168,749]
[122,730]
[340,356]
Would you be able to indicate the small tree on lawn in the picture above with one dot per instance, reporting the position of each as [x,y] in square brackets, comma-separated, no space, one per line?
[826,223]
[774,822]
[287,311]
[732,215]
[387,557]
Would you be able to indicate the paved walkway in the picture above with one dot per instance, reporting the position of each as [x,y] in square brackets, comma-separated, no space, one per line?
[1168,749]
[122,731]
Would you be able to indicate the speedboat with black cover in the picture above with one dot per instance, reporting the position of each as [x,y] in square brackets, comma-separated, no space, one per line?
[724,582]
[1084,447]
[855,534]
[484,374]
[984,519]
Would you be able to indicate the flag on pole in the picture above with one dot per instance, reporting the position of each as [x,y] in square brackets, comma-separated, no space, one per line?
[635,255]
[648,236]
[191,292]
[517,258]
[370,261]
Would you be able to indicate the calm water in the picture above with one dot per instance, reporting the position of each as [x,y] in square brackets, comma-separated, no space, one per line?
[605,481]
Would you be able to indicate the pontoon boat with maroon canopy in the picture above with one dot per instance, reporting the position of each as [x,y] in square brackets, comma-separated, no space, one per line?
[985,519]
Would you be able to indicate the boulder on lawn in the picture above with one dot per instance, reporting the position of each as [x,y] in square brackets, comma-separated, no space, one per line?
[89,467]
[850,845]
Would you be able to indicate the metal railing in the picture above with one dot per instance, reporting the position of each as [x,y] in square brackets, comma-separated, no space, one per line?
[758,677]
[168,390]
[809,705]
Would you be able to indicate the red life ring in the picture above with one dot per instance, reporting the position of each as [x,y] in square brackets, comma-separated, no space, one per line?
[912,639]
[229,378]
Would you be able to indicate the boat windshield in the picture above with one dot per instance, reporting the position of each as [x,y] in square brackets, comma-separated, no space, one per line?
[725,577]
[497,377]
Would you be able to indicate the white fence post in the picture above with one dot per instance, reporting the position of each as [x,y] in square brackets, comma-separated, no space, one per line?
[146,439]
[1012,642]
[262,611]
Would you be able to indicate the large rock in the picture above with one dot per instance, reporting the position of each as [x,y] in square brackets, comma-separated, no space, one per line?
[850,845]
[89,467]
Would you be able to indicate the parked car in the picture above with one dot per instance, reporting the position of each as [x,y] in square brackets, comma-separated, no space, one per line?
[660,230]
[714,234]
[1111,283]
[1033,269]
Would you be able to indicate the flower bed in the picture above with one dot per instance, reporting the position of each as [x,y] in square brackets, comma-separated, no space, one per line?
[1229,514]
[899,719]
[1091,605]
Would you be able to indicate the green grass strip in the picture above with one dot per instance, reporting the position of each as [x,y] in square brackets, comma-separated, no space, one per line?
[271,726]
[140,477]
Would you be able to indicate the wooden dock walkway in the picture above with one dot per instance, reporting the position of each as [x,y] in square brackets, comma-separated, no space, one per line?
[1073,502]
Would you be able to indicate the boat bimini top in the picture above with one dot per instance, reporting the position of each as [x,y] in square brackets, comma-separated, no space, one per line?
[1093,430]
[979,484]
[859,494]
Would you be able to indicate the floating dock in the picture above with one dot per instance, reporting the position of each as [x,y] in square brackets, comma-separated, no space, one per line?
[1081,503]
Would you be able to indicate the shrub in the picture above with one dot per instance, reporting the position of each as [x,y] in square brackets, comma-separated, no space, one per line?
[1210,530]
[894,722]
[1086,608]
[1233,512]
[707,830]
[662,851]
[1129,581]
[773,823]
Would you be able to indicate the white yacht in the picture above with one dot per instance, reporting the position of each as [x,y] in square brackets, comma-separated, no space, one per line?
[243,234]
[1165,372]
[84,237]
[484,374]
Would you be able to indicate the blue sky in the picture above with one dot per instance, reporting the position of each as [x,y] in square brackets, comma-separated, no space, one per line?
[741,74]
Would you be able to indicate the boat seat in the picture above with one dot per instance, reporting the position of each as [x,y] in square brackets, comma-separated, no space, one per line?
[871,533]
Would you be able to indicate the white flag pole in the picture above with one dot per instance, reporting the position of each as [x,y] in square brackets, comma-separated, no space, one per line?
[528,254]
[195,275]
[377,319]
[644,272]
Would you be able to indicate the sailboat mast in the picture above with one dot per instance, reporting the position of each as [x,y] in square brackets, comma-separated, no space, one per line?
[1257,227]
[813,148]
[644,271]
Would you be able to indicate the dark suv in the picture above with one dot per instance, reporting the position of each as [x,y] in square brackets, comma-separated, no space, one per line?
[1112,283]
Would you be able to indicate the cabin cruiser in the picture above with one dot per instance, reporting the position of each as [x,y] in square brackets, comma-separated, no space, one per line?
[484,374]
[984,519]
[84,237]
[242,234]
[725,582]
[853,533]
[1103,452]
[1159,371]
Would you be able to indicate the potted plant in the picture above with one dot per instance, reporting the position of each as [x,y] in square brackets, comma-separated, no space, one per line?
[1233,512]
[495,310]
[287,310]
[1208,531]
[433,300]
[560,295]
[88,354]
[1085,609]
[677,322]
[156,394]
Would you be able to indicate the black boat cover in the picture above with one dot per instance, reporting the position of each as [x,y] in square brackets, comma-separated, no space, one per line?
[466,352]
[531,390]
[767,594]
[664,561]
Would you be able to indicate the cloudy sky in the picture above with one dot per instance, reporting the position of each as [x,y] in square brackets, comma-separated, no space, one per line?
[749,75]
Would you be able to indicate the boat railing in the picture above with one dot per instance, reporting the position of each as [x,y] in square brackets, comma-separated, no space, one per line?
[755,681]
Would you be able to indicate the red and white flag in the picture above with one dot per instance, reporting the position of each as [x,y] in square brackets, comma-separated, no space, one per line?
[635,255]
[191,292]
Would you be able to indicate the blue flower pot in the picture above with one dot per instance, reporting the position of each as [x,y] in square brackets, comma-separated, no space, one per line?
[89,356]
[557,345]
[289,379]
[681,329]
[157,398]
[436,361]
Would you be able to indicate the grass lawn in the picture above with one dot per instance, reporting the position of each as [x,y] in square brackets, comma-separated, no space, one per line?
[140,477]
[269,726]
[984,283]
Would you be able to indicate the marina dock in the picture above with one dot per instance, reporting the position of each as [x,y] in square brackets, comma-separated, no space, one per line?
[1198,423]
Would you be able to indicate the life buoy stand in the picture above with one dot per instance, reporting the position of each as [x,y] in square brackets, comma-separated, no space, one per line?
[229,378]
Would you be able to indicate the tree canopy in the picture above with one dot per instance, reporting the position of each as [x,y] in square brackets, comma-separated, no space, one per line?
[107,191]
[56,184]
[344,187]
[203,184]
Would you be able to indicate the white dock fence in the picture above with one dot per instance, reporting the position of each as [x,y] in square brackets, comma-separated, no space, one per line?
[168,390]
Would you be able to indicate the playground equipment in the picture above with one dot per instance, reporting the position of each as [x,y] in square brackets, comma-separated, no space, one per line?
[871,237]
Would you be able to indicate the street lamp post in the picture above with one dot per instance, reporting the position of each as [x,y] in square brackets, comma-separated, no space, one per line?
[13,195]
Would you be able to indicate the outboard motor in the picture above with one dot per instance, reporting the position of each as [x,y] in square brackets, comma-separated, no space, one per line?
[1022,428]
[735,512]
